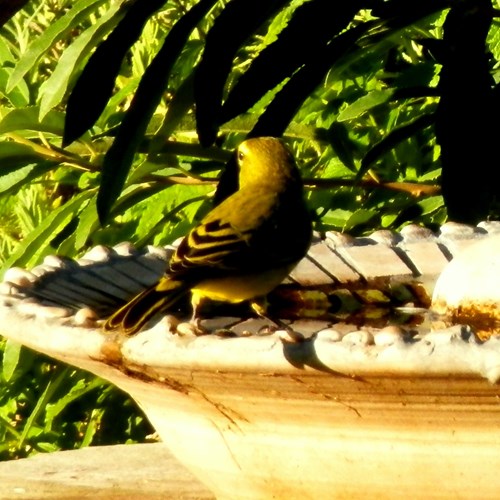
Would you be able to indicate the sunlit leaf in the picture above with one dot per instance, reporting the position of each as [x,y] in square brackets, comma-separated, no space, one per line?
[95,84]
[181,102]
[88,222]
[10,360]
[307,31]
[358,218]
[23,119]
[78,12]
[19,164]
[38,242]
[238,20]
[53,90]
[121,154]
[19,96]
[364,104]
[431,204]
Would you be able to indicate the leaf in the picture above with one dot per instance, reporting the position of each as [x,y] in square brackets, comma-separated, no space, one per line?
[164,208]
[387,220]
[345,149]
[238,20]
[10,8]
[89,221]
[109,114]
[76,391]
[5,52]
[431,204]
[178,107]
[133,195]
[19,164]
[308,30]
[494,41]
[52,91]
[179,226]
[359,217]
[28,119]
[120,155]
[19,361]
[392,139]
[288,100]
[10,360]
[56,380]
[340,53]
[336,168]
[16,179]
[336,218]
[364,104]
[38,241]
[79,11]
[14,156]
[19,96]
[95,84]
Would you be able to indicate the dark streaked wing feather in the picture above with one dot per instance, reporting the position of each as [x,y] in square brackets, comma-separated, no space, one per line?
[208,245]
[135,314]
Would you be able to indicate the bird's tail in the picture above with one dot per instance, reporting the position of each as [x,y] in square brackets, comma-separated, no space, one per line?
[131,317]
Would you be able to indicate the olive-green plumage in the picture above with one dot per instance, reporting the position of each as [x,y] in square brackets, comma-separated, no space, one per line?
[243,248]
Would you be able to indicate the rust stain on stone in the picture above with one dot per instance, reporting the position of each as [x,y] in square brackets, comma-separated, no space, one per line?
[483,317]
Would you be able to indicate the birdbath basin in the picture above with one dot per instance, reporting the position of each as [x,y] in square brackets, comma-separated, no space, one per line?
[349,408]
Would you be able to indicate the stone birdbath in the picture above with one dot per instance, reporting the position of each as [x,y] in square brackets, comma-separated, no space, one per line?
[373,395]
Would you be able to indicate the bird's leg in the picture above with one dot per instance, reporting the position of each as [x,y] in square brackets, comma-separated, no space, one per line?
[259,305]
[193,327]
[195,304]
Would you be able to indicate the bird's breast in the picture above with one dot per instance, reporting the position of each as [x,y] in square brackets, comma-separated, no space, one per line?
[241,287]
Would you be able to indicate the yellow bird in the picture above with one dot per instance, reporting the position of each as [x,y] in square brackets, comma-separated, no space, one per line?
[242,249]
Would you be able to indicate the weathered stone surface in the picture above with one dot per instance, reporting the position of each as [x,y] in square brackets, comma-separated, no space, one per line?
[456,246]
[147,471]
[332,263]
[358,337]
[125,248]
[307,273]
[468,289]
[414,232]
[389,335]
[20,277]
[375,261]
[457,237]
[99,253]
[426,256]
[491,226]
[386,237]
[456,230]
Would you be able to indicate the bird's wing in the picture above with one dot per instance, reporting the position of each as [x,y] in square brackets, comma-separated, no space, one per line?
[224,241]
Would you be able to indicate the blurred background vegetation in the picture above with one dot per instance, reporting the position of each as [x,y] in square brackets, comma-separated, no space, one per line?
[118,118]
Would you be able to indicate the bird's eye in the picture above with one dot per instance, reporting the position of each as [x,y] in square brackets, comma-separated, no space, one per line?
[241,156]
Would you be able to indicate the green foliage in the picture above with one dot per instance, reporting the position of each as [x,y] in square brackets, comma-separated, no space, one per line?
[47,407]
[118,117]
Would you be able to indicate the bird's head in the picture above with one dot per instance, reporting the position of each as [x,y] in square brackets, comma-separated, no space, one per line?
[266,160]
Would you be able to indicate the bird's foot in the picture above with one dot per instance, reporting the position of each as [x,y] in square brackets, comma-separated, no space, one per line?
[259,305]
[291,336]
[283,330]
[268,330]
[224,332]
